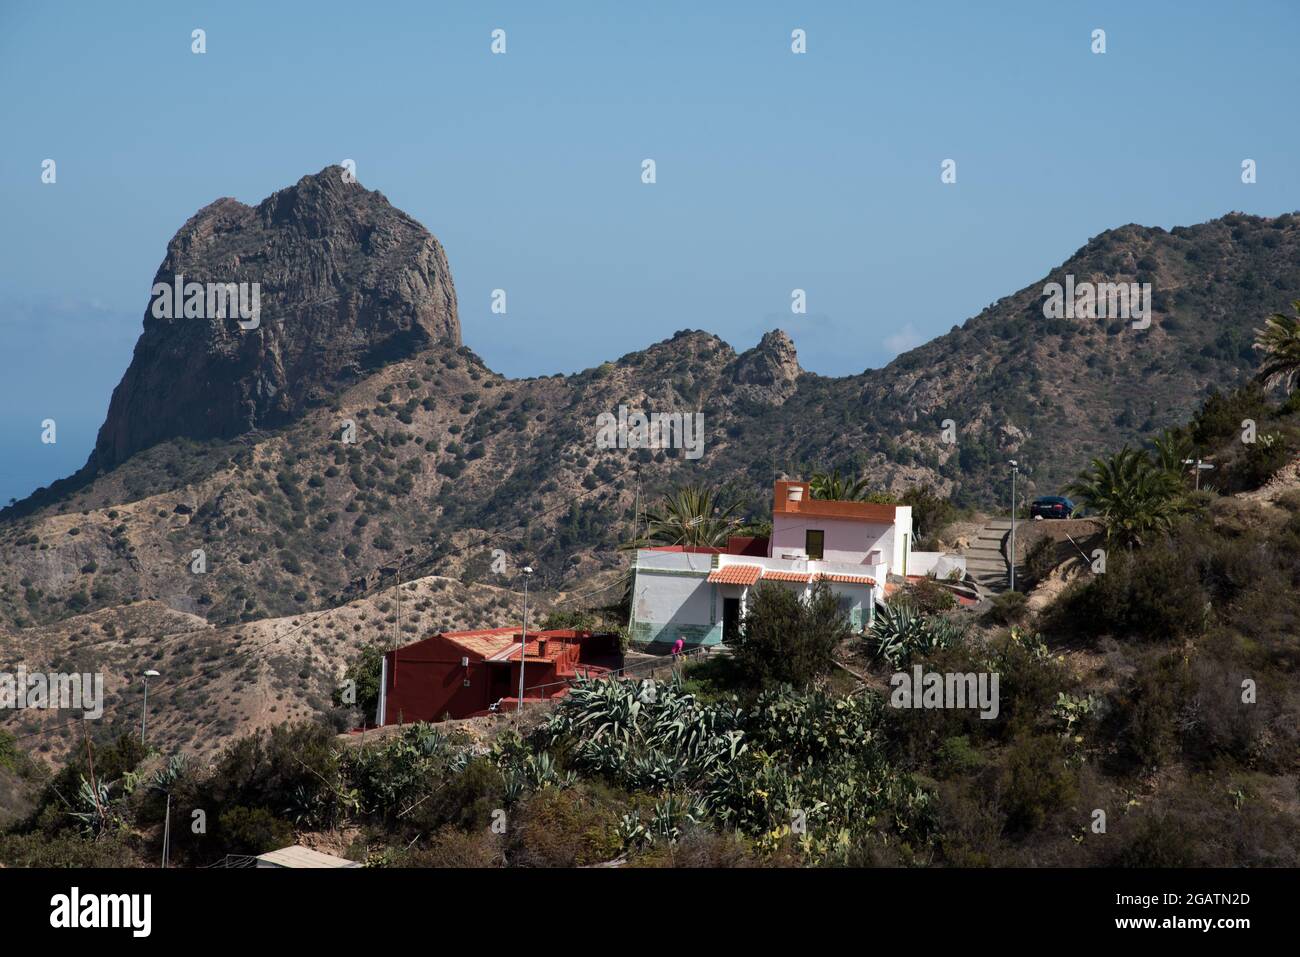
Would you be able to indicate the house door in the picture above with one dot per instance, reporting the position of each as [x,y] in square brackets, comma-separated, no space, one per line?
[730,619]
[500,687]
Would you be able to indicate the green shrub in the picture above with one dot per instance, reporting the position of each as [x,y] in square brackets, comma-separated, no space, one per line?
[956,756]
[1149,708]
[1161,841]
[245,830]
[1036,782]
[450,847]
[786,640]
[1152,595]
[1007,608]
[362,677]
[925,596]
[1040,559]
[465,800]
[66,851]
[563,828]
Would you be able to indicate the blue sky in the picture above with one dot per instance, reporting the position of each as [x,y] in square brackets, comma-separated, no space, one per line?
[775,171]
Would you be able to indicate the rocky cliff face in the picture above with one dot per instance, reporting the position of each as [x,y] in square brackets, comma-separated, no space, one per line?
[345,283]
[769,372]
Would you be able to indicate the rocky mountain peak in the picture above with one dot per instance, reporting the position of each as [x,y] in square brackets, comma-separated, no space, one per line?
[340,280]
[769,371]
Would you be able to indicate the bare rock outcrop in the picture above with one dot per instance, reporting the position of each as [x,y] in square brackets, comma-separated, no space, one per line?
[770,371]
[346,283]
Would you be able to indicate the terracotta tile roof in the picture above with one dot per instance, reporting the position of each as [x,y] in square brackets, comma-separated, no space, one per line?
[485,642]
[736,575]
[850,579]
[769,575]
[823,508]
[502,644]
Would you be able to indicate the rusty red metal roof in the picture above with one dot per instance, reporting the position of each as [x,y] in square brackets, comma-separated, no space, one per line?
[736,574]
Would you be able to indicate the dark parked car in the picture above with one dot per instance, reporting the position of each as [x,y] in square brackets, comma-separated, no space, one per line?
[1051,506]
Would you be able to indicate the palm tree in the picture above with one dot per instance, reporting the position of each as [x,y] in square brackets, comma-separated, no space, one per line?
[1171,450]
[833,486]
[1279,340]
[1133,498]
[691,515]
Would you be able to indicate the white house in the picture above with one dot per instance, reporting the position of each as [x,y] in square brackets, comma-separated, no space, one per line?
[700,594]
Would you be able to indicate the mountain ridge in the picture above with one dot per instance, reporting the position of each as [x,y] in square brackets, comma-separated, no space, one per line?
[450,453]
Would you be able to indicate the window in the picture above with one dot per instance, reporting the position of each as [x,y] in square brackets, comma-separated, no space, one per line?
[814,543]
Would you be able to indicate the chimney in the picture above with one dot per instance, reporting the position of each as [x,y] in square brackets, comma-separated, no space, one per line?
[794,493]
[541,647]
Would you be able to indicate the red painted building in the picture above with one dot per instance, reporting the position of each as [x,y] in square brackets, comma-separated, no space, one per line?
[460,674]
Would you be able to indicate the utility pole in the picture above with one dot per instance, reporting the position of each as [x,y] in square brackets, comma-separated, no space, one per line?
[1015,469]
[167,830]
[397,592]
[636,509]
[144,712]
[523,638]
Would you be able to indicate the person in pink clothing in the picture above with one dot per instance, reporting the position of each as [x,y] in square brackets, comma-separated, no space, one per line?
[677,648]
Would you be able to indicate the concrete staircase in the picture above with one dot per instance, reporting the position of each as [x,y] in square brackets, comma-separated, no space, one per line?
[985,561]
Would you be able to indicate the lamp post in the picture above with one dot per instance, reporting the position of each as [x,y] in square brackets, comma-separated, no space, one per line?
[144,712]
[1200,466]
[523,637]
[1015,470]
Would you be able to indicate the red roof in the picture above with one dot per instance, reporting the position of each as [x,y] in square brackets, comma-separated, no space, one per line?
[850,579]
[755,546]
[736,575]
[502,644]
[825,508]
[690,549]
[769,575]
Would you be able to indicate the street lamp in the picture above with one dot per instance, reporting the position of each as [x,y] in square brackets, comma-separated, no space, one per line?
[144,713]
[1015,470]
[1200,466]
[523,637]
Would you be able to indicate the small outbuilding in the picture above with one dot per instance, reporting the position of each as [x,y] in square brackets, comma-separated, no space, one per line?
[462,674]
[298,856]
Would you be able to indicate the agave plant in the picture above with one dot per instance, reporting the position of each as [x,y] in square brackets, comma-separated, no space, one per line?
[672,814]
[653,771]
[94,809]
[428,740]
[165,778]
[541,771]
[647,736]
[899,632]
[631,831]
